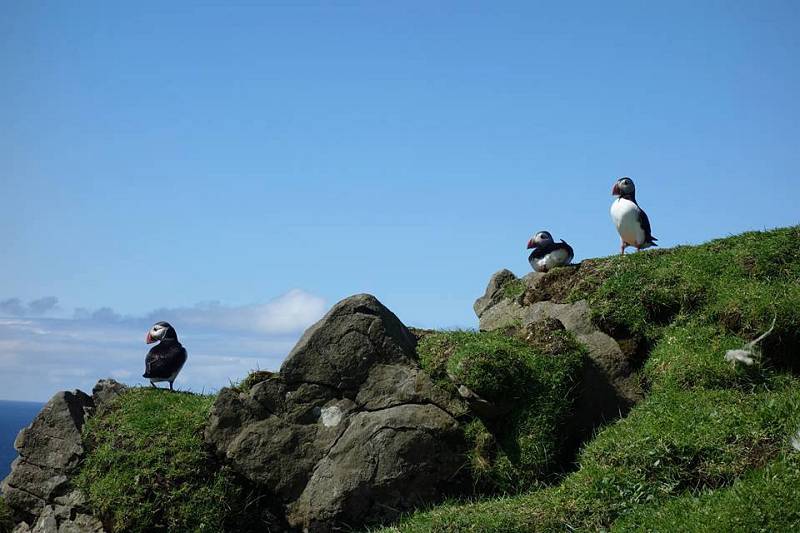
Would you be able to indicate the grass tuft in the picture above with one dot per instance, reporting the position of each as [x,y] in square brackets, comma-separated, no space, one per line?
[147,468]
[254,378]
[534,392]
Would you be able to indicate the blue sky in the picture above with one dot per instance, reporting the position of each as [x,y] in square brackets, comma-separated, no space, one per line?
[275,158]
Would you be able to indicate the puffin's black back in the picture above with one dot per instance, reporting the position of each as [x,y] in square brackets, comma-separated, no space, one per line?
[564,246]
[644,222]
[165,358]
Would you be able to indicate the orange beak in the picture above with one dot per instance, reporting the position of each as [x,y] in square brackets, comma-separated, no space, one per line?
[615,190]
[531,244]
[148,339]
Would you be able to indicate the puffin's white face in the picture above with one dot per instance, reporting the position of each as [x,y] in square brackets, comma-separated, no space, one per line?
[156,333]
[624,186]
[542,238]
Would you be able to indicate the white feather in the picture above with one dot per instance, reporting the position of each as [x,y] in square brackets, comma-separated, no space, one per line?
[795,440]
[625,215]
[553,259]
[739,356]
[749,351]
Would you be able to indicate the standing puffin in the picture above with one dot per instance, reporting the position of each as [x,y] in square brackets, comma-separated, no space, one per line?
[165,359]
[631,221]
[547,253]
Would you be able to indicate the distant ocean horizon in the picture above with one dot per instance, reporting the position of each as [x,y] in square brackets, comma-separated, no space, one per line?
[13,417]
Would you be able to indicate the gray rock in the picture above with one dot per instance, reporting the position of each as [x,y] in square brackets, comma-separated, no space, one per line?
[351,430]
[51,521]
[493,294]
[610,387]
[105,391]
[22,527]
[82,523]
[46,523]
[50,449]
[355,334]
[38,490]
[387,460]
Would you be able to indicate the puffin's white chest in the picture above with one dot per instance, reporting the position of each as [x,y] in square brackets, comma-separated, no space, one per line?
[553,259]
[625,215]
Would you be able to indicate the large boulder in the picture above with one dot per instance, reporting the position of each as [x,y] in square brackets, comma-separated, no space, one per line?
[39,490]
[351,430]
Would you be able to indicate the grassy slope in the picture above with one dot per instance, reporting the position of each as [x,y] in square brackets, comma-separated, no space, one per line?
[709,446]
[147,469]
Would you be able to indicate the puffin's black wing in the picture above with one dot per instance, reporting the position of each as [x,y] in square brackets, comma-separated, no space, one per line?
[540,252]
[564,246]
[164,360]
[645,223]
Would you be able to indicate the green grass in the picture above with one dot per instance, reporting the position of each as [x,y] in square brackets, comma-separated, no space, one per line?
[707,450]
[514,289]
[673,445]
[535,390]
[147,468]
[735,283]
[6,523]
[253,378]
[764,500]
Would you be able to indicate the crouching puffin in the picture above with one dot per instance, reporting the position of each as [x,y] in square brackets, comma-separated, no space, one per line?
[547,253]
[631,221]
[165,359]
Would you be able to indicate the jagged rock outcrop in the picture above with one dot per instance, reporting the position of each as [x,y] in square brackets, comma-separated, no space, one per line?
[39,490]
[351,430]
[610,386]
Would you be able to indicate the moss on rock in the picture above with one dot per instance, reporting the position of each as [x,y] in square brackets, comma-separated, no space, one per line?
[534,390]
[147,468]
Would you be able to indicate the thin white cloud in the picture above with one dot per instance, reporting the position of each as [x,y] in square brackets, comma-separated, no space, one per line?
[29,326]
[40,355]
[289,313]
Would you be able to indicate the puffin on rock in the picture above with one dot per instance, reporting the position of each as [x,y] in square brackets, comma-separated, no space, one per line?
[548,253]
[164,360]
[631,221]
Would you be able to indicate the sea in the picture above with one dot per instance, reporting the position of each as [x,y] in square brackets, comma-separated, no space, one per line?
[13,417]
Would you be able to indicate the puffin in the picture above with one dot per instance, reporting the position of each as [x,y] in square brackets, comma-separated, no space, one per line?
[547,253]
[631,221]
[164,360]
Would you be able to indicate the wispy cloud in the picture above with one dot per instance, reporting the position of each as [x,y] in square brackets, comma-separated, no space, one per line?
[40,355]
[286,314]
[16,307]
[104,314]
